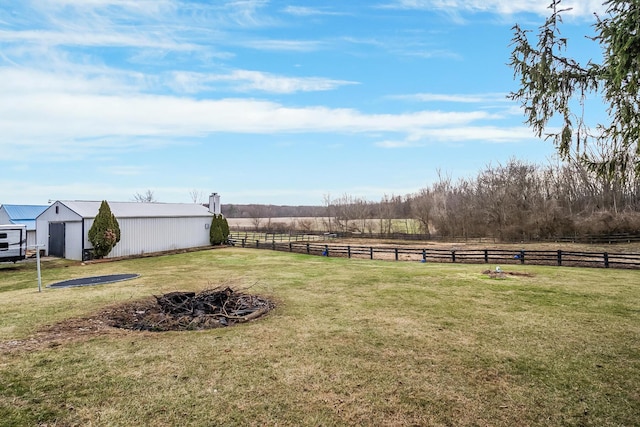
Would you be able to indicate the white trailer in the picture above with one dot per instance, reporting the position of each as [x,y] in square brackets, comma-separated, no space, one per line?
[13,242]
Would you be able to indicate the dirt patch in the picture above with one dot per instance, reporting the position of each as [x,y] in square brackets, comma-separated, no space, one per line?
[175,311]
[501,274]
[67,331]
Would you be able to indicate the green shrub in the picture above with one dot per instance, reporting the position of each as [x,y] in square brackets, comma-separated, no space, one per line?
[224,225]
[216,235]
[104,234]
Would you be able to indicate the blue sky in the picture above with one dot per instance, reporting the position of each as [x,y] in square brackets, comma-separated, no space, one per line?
[281,102]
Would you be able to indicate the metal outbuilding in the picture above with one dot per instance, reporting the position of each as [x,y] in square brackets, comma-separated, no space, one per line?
[63,228]
[22,215]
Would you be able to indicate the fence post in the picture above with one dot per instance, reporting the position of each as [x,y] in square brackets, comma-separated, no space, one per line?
[486,256]
[257,244]
[424,255]
[244,241]
[290,247]
[522,256]
[606,260]
[559,257]
[396,250]
[273,245]
[453,256]
[308,248]
[371,252]
[349,251]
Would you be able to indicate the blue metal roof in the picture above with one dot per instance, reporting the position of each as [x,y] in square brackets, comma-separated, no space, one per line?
[24,214]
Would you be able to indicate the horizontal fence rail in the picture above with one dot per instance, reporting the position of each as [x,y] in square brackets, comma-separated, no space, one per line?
[469,256]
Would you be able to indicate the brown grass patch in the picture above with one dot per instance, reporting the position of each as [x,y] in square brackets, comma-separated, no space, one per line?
[501,274]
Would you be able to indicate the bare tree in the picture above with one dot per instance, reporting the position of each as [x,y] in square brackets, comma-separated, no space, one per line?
[146,197]
[197,196]
[361,213]
[421,206]
[256,213]
[343,212]
[268,213]
[304,224]
[385,213]
[326,199]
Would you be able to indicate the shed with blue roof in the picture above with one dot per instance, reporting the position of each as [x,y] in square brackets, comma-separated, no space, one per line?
[22,215]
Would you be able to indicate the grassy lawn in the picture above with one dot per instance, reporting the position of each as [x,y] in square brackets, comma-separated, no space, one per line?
[351,342]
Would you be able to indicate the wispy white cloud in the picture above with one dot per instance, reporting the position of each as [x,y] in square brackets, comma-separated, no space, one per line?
[410,47]
[245,13]
[24,81]
[78,116]
[66,113]
[81,38]
[131,5]
[309,11]
[173,14]
[456,98]
[579,8]
[284,45]
[457,134]
[251,81]
[162,25]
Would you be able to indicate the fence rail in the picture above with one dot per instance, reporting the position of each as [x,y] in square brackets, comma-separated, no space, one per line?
[470,256]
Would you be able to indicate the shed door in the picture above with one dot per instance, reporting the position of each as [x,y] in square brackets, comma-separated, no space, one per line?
[56,239]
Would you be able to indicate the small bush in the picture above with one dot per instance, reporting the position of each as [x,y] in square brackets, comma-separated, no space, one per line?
[104,233]
[219,230]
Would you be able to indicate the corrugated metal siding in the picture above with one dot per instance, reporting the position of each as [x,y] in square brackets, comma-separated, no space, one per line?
[31,239]
[146,235]
[72,240]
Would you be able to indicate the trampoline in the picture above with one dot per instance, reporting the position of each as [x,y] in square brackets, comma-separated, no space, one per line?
[94,280]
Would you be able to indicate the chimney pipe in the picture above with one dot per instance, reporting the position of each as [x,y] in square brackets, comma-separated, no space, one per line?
[214,204]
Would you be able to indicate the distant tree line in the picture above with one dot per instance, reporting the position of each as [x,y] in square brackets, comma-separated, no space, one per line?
[270,211]
[523,201]
[511,202]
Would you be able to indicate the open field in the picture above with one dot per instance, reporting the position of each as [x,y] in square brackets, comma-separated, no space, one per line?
[322,224]
[351,342]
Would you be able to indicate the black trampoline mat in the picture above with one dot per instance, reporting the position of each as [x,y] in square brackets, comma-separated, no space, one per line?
[95,280]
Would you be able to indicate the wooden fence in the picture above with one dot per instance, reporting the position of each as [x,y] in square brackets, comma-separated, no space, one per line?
[302,235]
[475,256]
